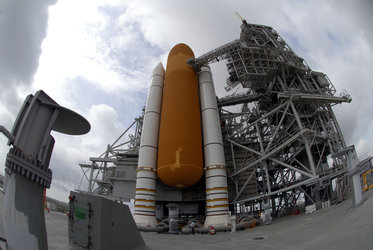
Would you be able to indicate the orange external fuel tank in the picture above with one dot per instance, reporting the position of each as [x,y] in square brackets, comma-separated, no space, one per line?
[180,157]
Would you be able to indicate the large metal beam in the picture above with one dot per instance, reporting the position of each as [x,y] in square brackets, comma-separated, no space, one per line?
[314,97]
[278,191]
[103,159]
[293,168]
[238,99]
[244,185]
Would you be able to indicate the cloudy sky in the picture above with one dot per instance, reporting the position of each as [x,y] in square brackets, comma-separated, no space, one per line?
[96,57]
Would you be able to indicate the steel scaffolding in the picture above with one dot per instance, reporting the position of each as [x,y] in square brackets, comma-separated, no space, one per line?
[281,135]
[116,164]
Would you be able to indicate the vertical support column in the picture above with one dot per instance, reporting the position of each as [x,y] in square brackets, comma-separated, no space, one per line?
[27,168]
[267,211]
[24,213]
[217,206]
[353,161]
[144,214]
[268,181]
[90,182]
[173,215]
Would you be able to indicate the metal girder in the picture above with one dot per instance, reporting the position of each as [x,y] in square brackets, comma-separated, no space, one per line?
[237,99]
[244,186]
[102,159]
[314,97]
[278,191]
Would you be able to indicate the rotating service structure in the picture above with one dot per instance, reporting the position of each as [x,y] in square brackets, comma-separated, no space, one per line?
[266,149]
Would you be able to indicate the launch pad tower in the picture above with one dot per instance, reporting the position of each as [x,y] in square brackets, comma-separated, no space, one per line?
[281,136]
[281,139]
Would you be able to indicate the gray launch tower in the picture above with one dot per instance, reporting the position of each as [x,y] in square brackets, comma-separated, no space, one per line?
[281,136]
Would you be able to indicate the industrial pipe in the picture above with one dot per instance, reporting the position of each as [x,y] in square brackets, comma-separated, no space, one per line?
[159,228]
[7,134]
[205,230]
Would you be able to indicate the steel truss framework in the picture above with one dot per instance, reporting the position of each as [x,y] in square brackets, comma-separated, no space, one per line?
[281,132]
[102,170]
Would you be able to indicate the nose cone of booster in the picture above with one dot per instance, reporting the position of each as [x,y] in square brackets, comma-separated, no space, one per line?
[180,160]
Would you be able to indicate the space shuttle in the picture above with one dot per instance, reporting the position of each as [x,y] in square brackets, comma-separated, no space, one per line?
[181,143]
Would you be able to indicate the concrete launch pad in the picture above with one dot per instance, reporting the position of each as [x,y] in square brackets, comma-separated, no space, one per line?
[337,227]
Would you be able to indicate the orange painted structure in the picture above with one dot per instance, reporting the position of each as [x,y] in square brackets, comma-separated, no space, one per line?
[180,158]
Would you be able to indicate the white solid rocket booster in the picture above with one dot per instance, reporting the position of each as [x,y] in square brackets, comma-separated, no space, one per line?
[217,207]
[144,214]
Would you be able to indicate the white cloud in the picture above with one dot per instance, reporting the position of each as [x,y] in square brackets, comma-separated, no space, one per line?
[365,148]
[61,189]
[79,45]
[105,126]
[22,27]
